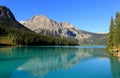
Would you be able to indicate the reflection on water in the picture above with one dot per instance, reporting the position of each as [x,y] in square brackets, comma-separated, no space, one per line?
[37,62]
[115,67]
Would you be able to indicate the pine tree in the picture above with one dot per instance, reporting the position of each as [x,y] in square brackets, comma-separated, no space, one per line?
[111,33]
[117,30]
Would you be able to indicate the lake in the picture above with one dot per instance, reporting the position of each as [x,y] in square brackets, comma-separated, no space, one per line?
[58,62]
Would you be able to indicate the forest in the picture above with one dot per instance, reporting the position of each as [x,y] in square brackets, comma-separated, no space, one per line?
[20,37]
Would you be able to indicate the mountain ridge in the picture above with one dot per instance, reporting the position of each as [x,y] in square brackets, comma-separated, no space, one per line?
[8,19]
[45,25]
[14,33]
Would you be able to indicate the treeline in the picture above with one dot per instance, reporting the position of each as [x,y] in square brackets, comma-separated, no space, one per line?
[21,37]
[114,34]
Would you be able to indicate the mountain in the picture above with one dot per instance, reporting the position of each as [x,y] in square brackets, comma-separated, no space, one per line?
[7,19]
[14,33]
[44,25]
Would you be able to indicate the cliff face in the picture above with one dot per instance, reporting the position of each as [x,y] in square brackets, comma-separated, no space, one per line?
[44,25]
[41,24]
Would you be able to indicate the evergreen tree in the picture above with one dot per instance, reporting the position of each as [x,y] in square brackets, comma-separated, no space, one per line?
[117,30]
[111,33]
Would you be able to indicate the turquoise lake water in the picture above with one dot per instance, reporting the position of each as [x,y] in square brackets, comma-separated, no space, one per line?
[58,62]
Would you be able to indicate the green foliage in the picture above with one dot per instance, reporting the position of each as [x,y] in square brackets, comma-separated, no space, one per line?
[111,33]
[20,37]
[114,34]
[117,31]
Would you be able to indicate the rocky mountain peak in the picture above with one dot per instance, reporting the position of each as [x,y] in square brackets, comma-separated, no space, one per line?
[44,25]
[43,17]
[67,25]
[6,13]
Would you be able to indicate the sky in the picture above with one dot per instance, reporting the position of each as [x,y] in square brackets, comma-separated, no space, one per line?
[89,15]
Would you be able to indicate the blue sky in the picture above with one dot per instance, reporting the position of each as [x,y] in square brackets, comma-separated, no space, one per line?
[89,15]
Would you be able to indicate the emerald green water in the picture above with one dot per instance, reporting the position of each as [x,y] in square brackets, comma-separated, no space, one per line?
[58,62]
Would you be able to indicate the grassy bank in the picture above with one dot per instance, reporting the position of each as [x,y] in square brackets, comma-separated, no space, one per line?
[5,40]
